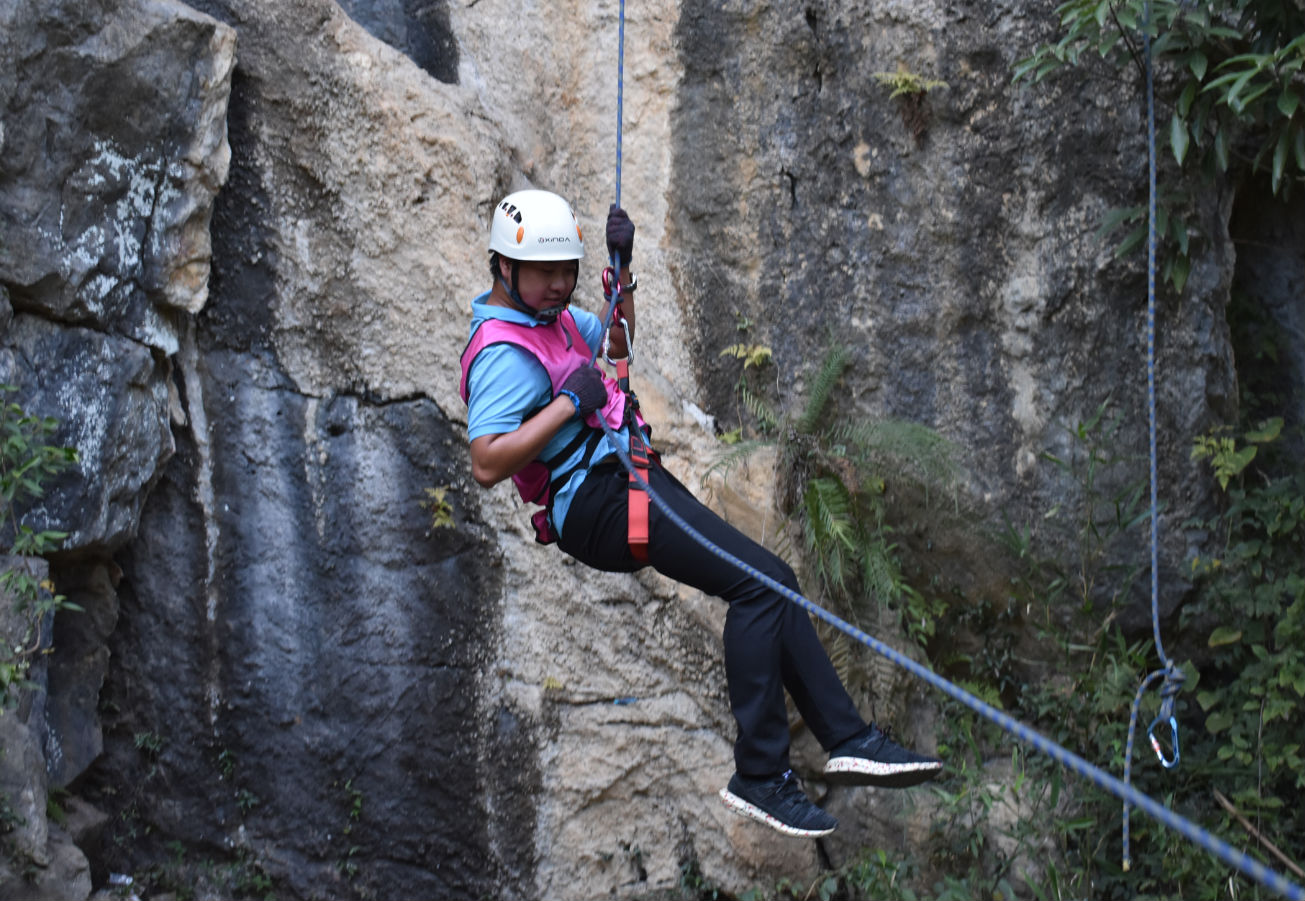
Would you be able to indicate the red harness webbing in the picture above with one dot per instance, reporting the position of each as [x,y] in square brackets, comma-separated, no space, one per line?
[637,507]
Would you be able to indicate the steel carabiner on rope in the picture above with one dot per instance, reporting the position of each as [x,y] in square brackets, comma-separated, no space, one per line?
[612,291]
[1167,762]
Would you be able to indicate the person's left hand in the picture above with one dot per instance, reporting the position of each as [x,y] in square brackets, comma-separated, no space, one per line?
[620,234]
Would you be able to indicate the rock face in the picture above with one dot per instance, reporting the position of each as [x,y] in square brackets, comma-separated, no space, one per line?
[315,656]
[114,140]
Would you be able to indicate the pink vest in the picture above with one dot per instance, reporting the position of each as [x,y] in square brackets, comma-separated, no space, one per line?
[561,350]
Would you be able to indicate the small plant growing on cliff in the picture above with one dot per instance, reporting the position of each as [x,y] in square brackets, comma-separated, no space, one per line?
[905,83]
[27,461]
[912,92]
[441,510]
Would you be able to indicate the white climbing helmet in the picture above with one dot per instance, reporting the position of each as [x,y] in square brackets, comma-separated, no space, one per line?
[536,225]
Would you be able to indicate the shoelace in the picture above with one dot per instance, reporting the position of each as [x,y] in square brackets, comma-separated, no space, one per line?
[876,744]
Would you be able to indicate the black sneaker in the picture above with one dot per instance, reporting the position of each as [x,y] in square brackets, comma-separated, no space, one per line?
[778,802]
[871,757]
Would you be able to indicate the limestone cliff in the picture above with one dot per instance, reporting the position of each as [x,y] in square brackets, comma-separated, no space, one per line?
[239,240]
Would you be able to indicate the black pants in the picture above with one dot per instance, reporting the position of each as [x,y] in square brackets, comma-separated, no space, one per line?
[770,644]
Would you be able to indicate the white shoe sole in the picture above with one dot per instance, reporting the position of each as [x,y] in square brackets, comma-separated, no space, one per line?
[748,809]
[859,771]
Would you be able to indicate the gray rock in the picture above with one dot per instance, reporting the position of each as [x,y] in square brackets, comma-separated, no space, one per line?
[114,146]
[301,649]
[419,28]
[303,680]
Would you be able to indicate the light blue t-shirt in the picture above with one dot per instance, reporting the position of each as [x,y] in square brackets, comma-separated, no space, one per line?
[506,385]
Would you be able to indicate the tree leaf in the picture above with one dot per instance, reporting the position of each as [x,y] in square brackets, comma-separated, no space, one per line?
[1198,63]
[1268,431]
[1288,100]
[1178,138]
[1217,722]
[1186,98]
[1280,158]
[1224,635]
[1221,148]
[1178,272]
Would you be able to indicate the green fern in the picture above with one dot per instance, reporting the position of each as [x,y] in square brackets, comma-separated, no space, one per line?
[738,453]
[831,483]
[831,372]
[767,418]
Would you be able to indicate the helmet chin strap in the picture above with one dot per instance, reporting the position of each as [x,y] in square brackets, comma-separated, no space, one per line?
[548,314]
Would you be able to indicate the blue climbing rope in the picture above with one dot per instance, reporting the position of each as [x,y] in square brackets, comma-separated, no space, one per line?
[1173,676]
[620,111]
[614,290]
[1239,860]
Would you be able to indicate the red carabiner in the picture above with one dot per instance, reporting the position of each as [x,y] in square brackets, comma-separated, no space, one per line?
[611,284]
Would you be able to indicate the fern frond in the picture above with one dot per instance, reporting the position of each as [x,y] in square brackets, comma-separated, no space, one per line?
[840,655]
[734,456]
[829,502]
[765,415]
[908,448]
[830,531]
[831,370]
[880,577]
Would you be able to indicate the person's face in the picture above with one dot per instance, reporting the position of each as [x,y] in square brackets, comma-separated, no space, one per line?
[546,284]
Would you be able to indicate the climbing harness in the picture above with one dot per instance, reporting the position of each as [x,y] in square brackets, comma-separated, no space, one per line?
[640,452]
[1122,789]
[639,455]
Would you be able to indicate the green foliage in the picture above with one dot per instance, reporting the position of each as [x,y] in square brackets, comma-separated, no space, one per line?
[905,83]
[27,462]
[1024,829]
[693,884]
[1241,717]
[1226,457]
[911,91]
[751,354]
[833,477]
[441,509]
[1229,76]
[1253,608]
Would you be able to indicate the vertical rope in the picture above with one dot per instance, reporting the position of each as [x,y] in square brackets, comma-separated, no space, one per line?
[614,293]
[1173,677]
[620,103]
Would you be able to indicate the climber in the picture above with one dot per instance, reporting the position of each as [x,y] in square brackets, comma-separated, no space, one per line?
[534,408]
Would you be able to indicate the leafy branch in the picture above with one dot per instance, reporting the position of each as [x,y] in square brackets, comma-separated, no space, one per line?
[1231,73]
[27,461]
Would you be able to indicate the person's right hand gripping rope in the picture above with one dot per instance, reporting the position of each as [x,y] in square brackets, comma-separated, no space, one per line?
[620,234]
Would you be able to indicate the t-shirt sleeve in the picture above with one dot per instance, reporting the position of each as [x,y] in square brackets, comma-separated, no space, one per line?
[591,327]
[505,385]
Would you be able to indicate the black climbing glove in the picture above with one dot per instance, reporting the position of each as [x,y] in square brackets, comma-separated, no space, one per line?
[620,234]
[586,389]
